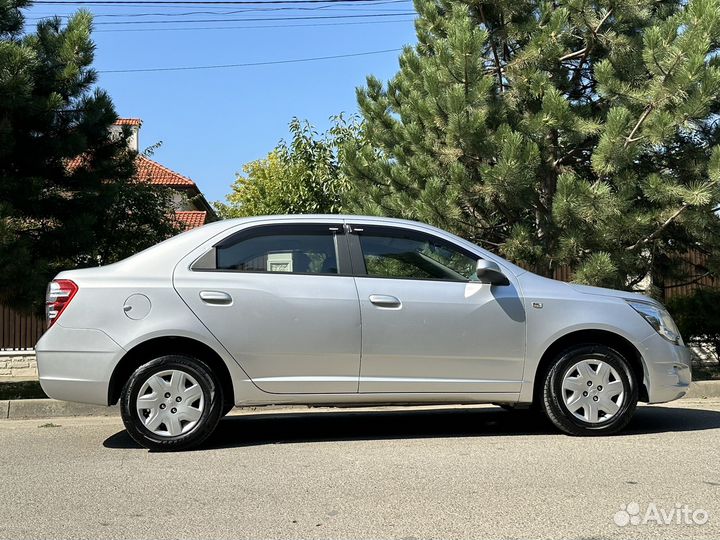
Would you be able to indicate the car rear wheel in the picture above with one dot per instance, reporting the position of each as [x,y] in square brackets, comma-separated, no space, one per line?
[590,390]
[173,402]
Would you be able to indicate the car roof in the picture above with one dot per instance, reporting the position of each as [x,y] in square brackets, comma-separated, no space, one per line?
[162,258]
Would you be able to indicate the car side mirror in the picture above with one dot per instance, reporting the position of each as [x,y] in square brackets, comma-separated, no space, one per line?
[489,272]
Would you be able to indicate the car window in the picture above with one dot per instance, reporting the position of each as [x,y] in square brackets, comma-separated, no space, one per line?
[299,253]
[396,253]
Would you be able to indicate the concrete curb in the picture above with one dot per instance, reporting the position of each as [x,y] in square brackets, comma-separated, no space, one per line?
[24,409]
[19,409]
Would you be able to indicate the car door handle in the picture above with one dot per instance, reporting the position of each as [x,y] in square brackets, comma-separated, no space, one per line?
[216,298]
[385,300]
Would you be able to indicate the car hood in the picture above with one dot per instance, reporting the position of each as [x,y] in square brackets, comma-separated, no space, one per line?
[600,291]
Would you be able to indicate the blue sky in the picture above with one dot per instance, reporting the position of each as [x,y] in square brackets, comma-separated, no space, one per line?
[211,122]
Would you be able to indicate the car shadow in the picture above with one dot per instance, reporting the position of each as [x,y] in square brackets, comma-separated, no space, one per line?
[344,425]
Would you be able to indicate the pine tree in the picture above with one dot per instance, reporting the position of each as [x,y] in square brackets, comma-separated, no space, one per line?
[572,132]
[69,195]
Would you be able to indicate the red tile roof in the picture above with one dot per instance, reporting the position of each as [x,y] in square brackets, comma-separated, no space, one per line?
[155,173]
[128,122]
[149,171]
[190,219]
[75,162]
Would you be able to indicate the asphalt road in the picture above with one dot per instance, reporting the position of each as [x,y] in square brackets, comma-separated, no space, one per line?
[462,472]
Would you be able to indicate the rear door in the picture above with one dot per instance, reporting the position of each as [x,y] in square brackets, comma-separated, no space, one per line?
[428,324]
[282,300]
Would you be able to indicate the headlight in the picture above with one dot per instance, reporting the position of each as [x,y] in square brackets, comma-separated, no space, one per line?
[659,319]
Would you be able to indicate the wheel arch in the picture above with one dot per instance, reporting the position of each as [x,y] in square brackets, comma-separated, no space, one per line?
[159,346]
[599,337]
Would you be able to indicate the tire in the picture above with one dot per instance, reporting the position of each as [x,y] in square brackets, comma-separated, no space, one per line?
[580,391]
[169,423]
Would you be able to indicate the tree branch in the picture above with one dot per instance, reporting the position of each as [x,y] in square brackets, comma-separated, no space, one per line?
[561,159]
[572,55]
[585,50]
[602,21]
[693,281]
[494,52]
[630,138]
[466,87]
[491,70]
[660,229]
[655,61]
[506,48]
[635,281]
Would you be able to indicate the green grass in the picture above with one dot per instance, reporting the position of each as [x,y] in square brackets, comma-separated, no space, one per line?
[21,390]
[706,372]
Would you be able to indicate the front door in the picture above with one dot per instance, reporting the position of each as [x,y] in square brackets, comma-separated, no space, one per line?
[428,324]
[281,302]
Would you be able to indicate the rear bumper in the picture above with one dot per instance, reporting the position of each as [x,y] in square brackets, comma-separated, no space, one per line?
[76,364]
[667,369]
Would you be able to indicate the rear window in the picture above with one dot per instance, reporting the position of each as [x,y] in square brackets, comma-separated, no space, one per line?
[302,250]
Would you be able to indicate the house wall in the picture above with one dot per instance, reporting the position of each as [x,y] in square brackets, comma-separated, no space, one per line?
[182,201]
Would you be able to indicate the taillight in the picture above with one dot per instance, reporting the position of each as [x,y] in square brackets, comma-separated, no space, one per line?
[59,294]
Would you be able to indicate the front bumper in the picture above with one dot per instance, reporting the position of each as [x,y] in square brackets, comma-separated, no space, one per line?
[667,369]
[76,364]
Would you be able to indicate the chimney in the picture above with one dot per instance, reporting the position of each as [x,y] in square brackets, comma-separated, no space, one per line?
[134,125]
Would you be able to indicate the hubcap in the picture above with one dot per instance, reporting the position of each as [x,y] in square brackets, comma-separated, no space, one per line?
[592,391]
[170,403]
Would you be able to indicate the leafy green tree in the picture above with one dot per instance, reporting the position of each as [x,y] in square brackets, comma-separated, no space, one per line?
[299,177]
[69,195]
[571,132]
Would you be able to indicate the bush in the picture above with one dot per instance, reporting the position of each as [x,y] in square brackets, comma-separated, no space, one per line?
[698,317]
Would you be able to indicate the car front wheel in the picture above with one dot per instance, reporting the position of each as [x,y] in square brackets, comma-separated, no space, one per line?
[173,402]
[590,390]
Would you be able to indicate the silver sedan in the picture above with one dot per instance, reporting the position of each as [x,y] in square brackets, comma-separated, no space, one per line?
[339,310]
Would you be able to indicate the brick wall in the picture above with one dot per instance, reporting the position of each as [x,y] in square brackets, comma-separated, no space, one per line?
[18,364]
